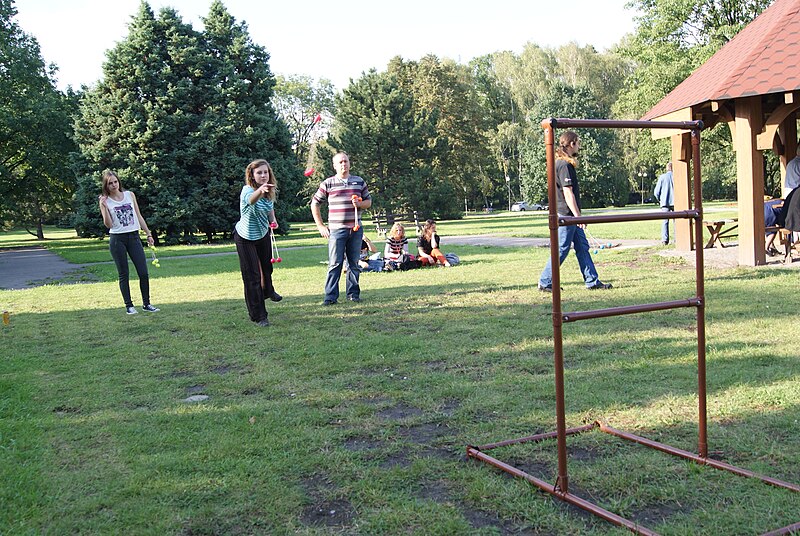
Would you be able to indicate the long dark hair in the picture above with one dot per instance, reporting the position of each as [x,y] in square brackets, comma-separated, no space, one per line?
[567,138]
[427,230]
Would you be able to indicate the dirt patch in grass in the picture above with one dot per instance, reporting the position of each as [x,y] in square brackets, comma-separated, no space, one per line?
[479,519]
[436,490]
[449,407]
[329,513]
[657,513]
[399,412]
[538,469]
[195,389]
[424,434]
[440,491]
[66,410]
[397,459]
[325,510]
[437,365]
[582,453]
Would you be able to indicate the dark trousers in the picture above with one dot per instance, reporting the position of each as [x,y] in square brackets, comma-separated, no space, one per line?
[254,260]
[122,246]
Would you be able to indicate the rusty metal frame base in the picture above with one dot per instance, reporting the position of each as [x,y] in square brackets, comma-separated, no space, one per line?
[478,453]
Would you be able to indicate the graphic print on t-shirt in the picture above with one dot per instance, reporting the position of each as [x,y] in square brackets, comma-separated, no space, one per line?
[124,214]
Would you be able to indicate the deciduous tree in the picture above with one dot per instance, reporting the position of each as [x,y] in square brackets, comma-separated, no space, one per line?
[36,182]
[672,39]
[306,106]
[602,181]
[388,139]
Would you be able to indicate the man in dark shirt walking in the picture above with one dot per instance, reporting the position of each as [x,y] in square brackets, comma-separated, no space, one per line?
[568,203]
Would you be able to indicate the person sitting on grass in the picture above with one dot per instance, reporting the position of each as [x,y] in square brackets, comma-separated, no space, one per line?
[428,246]
[396,249]
[367,250]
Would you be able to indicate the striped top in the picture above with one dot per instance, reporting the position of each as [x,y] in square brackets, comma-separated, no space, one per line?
[395,247]
[339,194]
[254,221]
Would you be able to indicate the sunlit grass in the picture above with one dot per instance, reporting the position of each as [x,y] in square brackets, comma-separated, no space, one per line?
[365,410]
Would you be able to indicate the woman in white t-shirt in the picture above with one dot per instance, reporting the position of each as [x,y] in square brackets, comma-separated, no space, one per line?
[124,221]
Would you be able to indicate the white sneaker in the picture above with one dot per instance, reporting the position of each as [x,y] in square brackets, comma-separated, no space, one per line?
[150,309]
[131,310]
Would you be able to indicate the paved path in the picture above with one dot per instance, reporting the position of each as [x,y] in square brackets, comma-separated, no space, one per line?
[32,267]
[512,241]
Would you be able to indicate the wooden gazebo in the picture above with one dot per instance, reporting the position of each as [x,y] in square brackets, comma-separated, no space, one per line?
[753,85]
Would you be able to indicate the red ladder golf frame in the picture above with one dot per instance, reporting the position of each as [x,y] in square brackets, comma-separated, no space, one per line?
[560,489]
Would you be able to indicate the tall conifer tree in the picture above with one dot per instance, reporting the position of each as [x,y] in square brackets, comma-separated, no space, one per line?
[179,114]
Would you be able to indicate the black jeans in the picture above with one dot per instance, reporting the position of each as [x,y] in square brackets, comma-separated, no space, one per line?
[254,260]
[129,244]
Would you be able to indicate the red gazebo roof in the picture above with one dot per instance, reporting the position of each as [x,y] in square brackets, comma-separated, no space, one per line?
[762,58]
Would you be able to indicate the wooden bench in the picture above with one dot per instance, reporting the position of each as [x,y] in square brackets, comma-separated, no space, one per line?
[719,229]
[383,221]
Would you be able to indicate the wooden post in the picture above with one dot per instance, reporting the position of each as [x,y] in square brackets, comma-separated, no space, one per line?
[681,158]
[750,181]
[788,135]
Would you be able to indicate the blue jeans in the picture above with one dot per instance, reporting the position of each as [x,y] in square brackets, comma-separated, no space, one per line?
[665,226]
[343,242]
[572,235]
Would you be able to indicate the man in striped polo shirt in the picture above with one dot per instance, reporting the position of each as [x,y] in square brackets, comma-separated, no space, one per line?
[339,191]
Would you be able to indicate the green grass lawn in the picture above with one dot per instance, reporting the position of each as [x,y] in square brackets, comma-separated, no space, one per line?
[354,419]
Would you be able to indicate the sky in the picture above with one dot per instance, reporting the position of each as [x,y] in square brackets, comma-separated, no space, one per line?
[334,40]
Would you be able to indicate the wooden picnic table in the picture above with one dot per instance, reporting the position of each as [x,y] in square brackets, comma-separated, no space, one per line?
[719,229]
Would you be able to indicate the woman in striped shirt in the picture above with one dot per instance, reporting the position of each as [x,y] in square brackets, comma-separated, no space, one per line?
[396,244]
[252,237]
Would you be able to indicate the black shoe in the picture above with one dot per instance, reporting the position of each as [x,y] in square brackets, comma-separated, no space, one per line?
[263,323]
[600,286]
[665,242]
[771,252]
[548,288]
[355,300]
[329,302]
[275,297]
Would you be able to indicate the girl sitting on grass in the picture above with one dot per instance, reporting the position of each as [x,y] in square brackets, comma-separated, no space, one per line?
[428,246]
[396,249]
